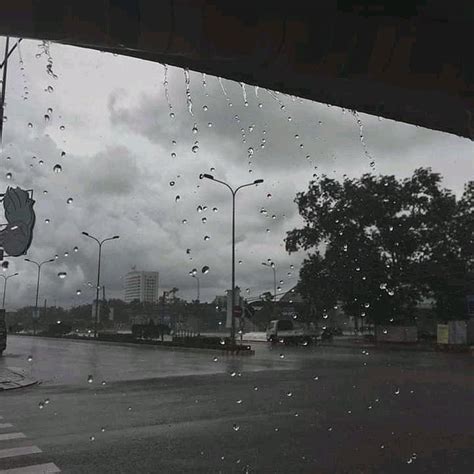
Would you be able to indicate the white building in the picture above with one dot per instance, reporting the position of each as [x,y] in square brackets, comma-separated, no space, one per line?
[142,286]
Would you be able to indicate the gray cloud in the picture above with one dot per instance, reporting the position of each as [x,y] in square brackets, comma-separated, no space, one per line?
[118,169]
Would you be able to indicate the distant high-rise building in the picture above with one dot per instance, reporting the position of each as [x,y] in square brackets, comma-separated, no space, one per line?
[141,286]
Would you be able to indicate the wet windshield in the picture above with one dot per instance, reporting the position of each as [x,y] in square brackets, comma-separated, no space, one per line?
[137,307]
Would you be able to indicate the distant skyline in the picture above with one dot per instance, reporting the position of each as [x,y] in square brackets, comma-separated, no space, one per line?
[106,122]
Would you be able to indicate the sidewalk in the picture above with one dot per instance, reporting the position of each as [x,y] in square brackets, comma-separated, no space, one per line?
[13,378]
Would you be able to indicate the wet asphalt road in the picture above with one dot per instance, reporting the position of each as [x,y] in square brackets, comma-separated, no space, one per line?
[310,410]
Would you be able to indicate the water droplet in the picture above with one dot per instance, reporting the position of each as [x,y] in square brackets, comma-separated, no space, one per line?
[282,356]
[92,438]
[250,151]
[172,183]
[233,374]
[195,129]
[103,382]
[239,402]
[63,154]
[8,176]
[177,198]
[90,379]
[29,358]
[215,359]
[57,168]
[30,125]
[41,162]
[184,221]
[50,89]
[235,427]
[41,405]
[172,115]
[62,128]
[205,108]
[50,110]
[47,118]
[289,394]
[195,148]
[47,221]
[206,237]
[62,275]
[205,269]
[78,292]
[66,254]
[397,391]
[69,201]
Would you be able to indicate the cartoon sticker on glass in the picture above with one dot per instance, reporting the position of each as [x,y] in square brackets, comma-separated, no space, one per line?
[16,235]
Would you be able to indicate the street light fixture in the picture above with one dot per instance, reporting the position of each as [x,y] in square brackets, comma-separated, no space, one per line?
[100,242]
[234,192]
[5,286]
[39,265]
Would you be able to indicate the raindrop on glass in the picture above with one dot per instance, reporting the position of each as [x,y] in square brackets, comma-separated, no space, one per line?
[78,292]
[206,238]
[62,275]
[90,379]
[172,183]
[205,269]
[69,201]
[8,176]
[57,168]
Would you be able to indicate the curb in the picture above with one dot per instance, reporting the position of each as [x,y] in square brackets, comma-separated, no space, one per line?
[12,380]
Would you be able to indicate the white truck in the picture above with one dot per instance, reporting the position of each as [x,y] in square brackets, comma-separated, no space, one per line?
[289,332]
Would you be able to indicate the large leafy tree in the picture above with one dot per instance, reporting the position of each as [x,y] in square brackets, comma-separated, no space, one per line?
[379,244]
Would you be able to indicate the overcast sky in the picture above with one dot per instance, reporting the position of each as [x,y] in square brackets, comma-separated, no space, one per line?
[111,118]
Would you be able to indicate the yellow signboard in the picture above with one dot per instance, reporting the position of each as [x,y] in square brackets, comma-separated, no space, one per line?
[443,334]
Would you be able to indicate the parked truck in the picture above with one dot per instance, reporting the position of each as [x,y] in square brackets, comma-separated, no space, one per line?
[289,332]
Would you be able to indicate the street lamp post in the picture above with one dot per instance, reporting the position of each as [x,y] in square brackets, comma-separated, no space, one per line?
[100,243]
[5,286]
[198,286]
[234,192]
[272,266]
[39,265]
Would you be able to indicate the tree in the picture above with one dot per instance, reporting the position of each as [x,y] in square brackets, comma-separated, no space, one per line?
[376,244]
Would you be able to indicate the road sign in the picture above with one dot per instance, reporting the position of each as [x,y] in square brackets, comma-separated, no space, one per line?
[237,311]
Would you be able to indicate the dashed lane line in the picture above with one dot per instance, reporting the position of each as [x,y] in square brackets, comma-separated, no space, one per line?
[48,468]
[20,451]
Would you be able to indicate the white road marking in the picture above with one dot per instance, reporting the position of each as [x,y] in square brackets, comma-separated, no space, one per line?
[5,436]
[21,451]
[36,469]
[5,425]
